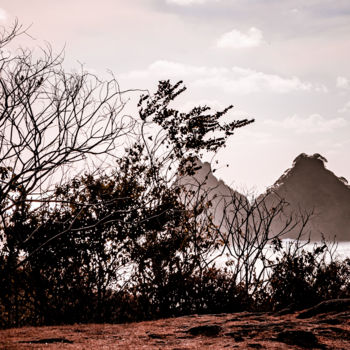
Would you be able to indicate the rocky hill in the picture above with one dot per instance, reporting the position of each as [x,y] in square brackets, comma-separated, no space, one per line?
[309,187]
[227,205]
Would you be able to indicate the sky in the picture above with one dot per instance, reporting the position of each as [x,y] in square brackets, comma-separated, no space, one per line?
[284,63]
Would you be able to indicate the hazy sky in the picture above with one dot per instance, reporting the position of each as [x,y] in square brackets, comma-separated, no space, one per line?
[283,62]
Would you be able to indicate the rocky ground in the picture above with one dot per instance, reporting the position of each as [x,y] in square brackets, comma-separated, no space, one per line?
[325,326]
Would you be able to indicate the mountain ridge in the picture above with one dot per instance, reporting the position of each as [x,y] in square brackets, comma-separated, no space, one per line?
[309,190]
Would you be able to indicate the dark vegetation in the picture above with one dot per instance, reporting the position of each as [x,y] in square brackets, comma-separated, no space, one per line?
[130,242]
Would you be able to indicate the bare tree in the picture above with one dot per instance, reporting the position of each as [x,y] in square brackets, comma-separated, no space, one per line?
[248,238]
[240,232]
[50,120]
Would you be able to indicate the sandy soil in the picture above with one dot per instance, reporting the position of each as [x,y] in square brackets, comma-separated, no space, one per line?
[323,327]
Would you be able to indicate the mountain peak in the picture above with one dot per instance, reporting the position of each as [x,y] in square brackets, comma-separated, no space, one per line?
[316,157]
[309,185]
[309,169]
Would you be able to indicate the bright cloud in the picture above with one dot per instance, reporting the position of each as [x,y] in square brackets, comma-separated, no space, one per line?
[213,104]
[246,81]
[237,40]
[235,79]
[3,15]
[314,123]
[343,83]
[185,2]
[256,137]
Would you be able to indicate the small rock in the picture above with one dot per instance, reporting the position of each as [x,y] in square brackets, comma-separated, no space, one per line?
[48,341]
[157,336]
[206,330]
[255,345]
[305,339]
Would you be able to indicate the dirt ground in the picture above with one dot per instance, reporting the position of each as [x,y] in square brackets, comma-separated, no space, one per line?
[326,326]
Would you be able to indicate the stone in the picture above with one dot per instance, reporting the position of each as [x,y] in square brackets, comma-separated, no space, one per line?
[206,330]
[302,338]
[48,341]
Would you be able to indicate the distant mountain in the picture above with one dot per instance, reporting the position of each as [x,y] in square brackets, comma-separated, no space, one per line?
[227,205]
[310,187]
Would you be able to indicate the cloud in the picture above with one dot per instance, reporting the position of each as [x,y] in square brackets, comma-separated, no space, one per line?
[3,15]
[345,109]
[233,80]
[215,105]
[343,83]
[256,137]
[238,40]
[315,123]
[246,81]
[185,2]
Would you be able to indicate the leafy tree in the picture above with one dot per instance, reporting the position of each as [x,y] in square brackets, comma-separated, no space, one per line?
[133,218]
[73,241]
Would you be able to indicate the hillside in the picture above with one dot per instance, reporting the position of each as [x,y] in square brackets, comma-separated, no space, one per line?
[325,326]
[309,187]
[227,205]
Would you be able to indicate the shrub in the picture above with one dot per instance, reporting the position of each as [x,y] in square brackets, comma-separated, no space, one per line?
[305,278]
